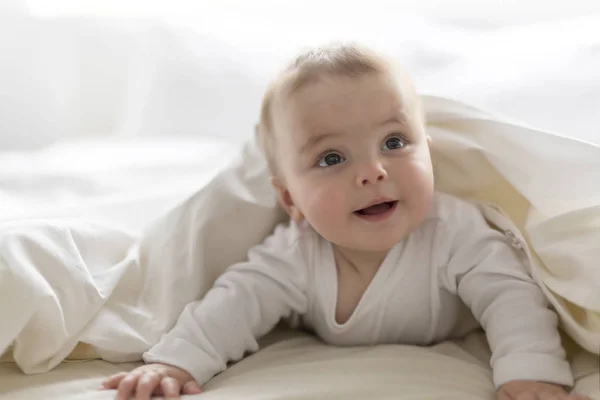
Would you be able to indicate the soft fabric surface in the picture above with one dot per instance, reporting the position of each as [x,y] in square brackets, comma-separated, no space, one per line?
[296,366]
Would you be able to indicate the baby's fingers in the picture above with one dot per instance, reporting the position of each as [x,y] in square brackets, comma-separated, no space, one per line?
[112,382]
[146,385]
[170,387]
[191,387]
[126,386]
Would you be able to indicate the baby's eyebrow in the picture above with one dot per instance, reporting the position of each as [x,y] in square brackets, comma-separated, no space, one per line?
[314,140]
[395,119]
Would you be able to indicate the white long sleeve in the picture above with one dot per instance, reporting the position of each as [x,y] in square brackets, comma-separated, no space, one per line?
[246,302]
[488,275]
[429,287]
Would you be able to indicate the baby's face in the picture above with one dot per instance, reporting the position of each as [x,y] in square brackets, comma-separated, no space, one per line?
[355,160]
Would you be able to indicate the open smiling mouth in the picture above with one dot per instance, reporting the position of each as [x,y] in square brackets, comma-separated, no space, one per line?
[377,211]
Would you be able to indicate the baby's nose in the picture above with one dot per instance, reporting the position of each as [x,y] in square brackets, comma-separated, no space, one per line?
[371,173]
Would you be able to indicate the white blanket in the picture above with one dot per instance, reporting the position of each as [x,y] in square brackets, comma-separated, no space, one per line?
[64,282]
[62,269]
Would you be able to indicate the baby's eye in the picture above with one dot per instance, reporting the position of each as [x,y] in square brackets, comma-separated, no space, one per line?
[393,143]
[330,159]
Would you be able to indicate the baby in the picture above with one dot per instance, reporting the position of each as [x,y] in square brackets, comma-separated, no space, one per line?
[372,253]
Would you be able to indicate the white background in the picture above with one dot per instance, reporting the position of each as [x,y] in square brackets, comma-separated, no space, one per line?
[106,107]
[72,68]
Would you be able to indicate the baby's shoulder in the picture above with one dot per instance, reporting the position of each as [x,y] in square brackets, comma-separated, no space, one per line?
[298,238]
[454,223]
[452,212]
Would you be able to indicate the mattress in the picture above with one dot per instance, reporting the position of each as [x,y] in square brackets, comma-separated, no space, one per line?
[296,365]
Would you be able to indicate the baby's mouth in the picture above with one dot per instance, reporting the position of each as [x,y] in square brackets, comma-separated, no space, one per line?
[377,209]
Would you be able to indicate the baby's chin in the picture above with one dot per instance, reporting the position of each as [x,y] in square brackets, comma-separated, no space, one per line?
[370,240]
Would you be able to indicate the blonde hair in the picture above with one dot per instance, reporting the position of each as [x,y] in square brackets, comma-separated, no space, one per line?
[334,60]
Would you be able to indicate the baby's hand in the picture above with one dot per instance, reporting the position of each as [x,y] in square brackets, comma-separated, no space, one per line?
[533,390]
[152,379]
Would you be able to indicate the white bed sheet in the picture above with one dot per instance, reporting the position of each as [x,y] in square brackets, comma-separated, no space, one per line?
[294,365]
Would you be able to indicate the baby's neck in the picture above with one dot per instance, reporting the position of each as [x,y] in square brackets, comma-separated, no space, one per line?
[362,262]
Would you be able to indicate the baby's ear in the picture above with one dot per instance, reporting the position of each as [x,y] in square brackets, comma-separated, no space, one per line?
[285,199]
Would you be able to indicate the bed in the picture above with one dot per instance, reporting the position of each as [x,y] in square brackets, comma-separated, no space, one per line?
[294,365]
[127,178]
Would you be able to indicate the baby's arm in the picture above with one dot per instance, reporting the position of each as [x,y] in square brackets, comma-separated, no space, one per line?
[245,303]
[488,275]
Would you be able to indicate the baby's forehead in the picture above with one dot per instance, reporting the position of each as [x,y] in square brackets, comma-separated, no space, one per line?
[319,65]
[380,93]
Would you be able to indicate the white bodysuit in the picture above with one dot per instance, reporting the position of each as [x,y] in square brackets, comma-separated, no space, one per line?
[451,275]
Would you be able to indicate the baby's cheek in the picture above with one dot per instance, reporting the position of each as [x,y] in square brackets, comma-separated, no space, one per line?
[418,189]
[324,203]
[417,179]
